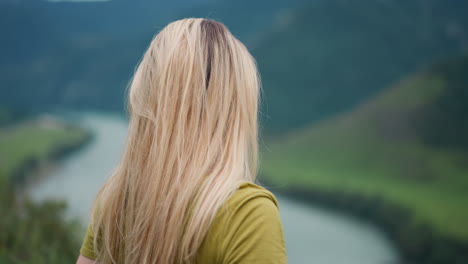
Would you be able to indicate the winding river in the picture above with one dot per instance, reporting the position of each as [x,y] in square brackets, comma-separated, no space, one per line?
[313,234]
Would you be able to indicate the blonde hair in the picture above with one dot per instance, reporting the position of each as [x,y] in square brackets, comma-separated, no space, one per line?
[193,138]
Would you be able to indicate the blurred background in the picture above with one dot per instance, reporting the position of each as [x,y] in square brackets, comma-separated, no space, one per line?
[364,120]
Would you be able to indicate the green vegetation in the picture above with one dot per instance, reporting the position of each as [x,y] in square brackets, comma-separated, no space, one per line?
[31,232]
[386,150]
[32,141]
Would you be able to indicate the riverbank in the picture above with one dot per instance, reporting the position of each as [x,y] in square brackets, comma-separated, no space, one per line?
[425,214]
[35,232]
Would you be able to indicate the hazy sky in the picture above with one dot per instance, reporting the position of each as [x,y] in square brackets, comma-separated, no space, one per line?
[78,0]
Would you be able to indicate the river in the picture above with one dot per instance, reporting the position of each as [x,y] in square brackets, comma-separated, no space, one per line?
[313,234]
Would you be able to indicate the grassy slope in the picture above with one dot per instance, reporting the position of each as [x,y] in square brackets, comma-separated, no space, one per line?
[375,151]
[33,141]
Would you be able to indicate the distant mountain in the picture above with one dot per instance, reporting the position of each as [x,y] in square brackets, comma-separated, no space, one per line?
[82,55]
[317,58]
[75,54]
[333,54]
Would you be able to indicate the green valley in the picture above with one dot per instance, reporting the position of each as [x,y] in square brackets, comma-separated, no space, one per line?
[395,148]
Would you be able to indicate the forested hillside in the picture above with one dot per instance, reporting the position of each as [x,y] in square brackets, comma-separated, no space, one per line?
[333,54]
[82,55]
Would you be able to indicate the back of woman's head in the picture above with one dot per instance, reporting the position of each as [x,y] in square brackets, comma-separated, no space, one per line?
[192,140]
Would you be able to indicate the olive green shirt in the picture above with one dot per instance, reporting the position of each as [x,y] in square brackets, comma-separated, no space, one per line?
[246,229]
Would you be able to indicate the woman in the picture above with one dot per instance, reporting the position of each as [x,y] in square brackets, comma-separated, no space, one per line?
[184,189]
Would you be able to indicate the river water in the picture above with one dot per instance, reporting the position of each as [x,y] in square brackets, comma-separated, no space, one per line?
[313,234]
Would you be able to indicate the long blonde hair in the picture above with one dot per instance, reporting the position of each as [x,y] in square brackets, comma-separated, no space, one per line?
[193,138]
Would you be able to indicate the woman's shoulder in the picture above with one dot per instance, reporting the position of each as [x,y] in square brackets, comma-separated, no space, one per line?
[250,194]
[247,198]
[247,228]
